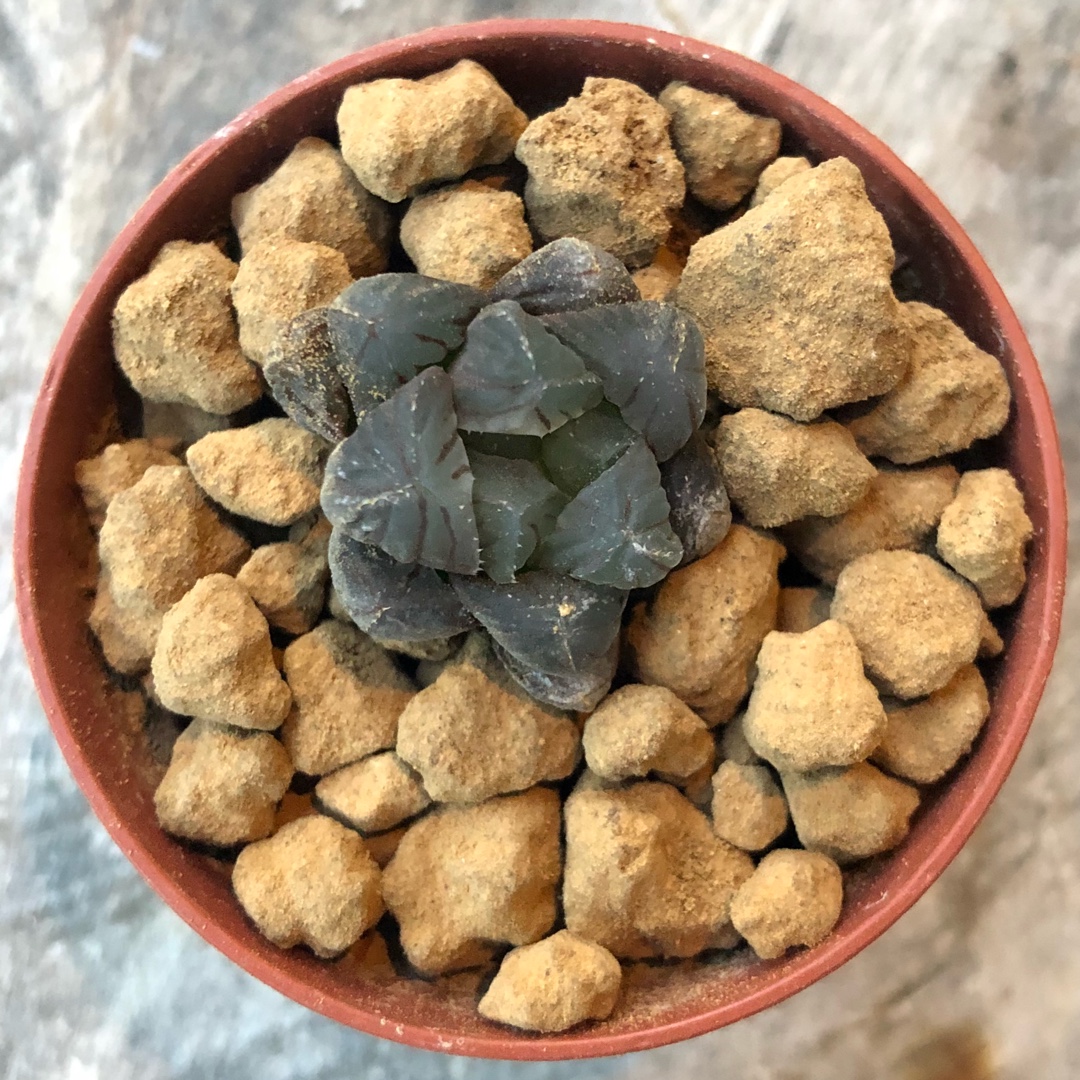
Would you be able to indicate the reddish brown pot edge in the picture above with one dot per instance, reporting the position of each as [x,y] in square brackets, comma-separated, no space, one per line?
[794,974]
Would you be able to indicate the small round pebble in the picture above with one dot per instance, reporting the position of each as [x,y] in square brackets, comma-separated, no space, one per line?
[772,176]
[374,794]
[793,898]
[312,883]
[554,984]
[748,807]
[117,468]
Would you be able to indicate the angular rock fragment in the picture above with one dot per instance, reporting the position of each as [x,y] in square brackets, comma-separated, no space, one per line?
[849,814]
[312,883]
[270,471]
[399,135]
[700,509]
[645,875]
[464,879]
[214,660]
[347,697]
[748,807]
[117,468]
[278,279]
[642,729]
[723,148]
[466,233]
[793,898]
[302,373]
[772,176]
[900,510]
[984,533]
[566,275]
[177,423]
[811,705]
[287,581]
[449,730]
[159,538]
[602,168]
[915,622]
[657,280]
[700,634]
[798,318]
[925,739]
[802,609]
[374,794]
[313,196]
[553,984]
[222,785]
[402,480]
[777,471]
[952,394]
[392,601]
[174,333]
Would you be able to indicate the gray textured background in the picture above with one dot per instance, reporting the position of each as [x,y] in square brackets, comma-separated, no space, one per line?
[98,98]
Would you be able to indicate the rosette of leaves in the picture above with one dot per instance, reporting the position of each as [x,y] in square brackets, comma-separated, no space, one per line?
[498,457]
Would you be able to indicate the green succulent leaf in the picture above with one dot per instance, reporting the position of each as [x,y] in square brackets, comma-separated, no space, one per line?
[402,480]
[393,601]
[567,275]
[388,327]
[303,377]
[519,447]
[550,624]
[515,505]
[578,452]
[651,359]
[700,510]
[616,532]
[580,691]
[514,377]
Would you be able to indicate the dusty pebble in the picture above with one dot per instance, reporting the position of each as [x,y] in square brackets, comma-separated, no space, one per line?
[466,233]
[399,135]
[602,168]
[811,705]
[984,533]
[899,512]
[773,175]
[849,814]
[466,878]
[802,609]
[748,808]
[222,785]
[312,883]
[160,536]
[991,643]
[916,623]
[383,846]
[277,280]
[288,580]
[433,650]
[553,984]
[117,468]
[374,794]
[642,729]
[645,874]
[659,278]
[733,745]
[777,471]
[347,697]
[213,659]
[793,898]
[174,334]
[448,733]
[314,197]
[700,633]
[795,300]
[270,471]
[952,394]
[925,739]
[723,148]
[179,423]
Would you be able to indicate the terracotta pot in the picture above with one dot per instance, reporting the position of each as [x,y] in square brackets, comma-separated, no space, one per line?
[540,63]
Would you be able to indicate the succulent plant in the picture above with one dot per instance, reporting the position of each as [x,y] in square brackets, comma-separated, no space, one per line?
[499,458]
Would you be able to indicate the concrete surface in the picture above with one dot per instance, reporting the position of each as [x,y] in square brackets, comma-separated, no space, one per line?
[98,98]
